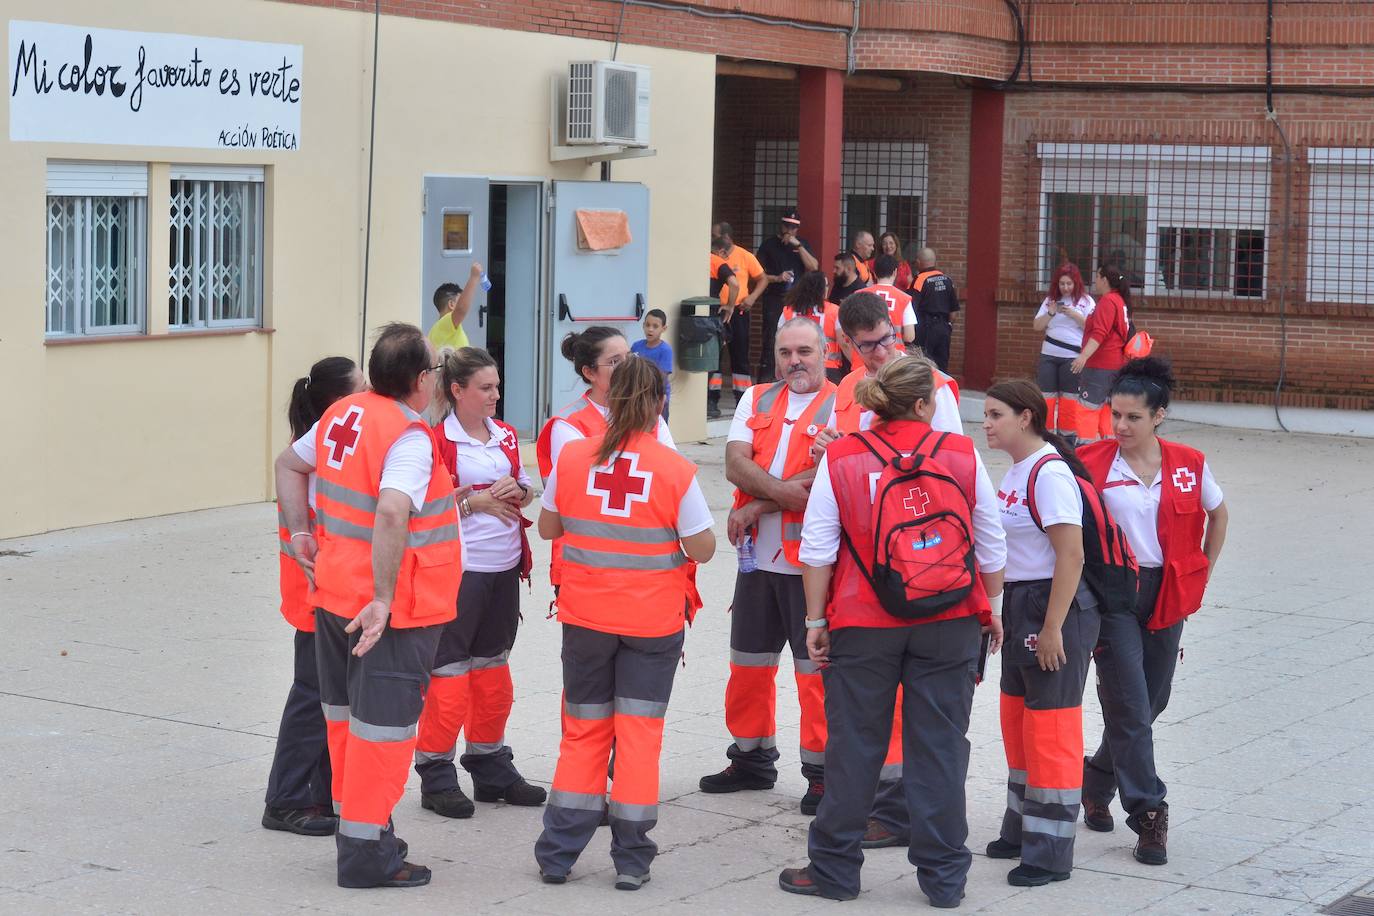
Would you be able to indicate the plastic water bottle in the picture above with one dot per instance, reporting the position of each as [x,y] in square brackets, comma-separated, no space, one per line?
[486,282]
[747,561]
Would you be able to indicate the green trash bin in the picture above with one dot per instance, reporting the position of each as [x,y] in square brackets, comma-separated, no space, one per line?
[699,332]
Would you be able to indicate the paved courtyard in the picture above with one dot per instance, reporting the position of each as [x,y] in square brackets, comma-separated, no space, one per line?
[144,666]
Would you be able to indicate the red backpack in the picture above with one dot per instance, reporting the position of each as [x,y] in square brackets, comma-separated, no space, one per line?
[1109,566]
[922,547]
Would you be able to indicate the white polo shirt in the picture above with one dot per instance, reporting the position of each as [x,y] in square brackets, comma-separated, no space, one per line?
[491,544]
[1030,555]
[408,465]
[1135,506]
[1064,328]
[946,418]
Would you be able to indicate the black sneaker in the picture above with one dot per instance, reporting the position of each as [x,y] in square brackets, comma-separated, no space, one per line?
[1001,849]
[449,803]
[713,411]
[518,793]
[815,791]
[733,779]
[631,882]
[1098,816]
[1153,827]
[313,821]
[1034,876]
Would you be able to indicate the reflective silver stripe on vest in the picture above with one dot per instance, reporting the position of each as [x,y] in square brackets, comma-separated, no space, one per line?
[805,666]
[577,801]
[754,744]
[410,414]
[812,756]
[357,830]
[606,559]
[1054,796]
[891,772]
[623,811]
[616,532]
[1017,776]
[354,499]
[755,659]
[495,661]
[379,734]
[649,709]
[1044,825]
[765,401]
[791,531]
[589,710]
[337,527]
[435,756]
[334,713]
[453,669]
[478,750]
[823,414]
[435,507]
[432,536]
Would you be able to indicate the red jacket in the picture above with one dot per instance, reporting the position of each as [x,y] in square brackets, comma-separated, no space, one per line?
[852,602]
[1182,524]
[1107,325]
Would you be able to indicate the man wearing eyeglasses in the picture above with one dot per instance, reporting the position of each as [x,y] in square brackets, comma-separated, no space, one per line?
[384,560]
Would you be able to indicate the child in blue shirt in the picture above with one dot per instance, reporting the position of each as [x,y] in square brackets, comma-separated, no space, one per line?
[658,351]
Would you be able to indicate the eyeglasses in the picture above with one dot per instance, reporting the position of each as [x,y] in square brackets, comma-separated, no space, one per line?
[868,346]
[611,363]
[433,368]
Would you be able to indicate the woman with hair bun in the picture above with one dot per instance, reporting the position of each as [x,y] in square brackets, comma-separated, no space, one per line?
[1051,628]
[298,789]
[1104,351]
[1061,317]
[927,643]
[1165,499]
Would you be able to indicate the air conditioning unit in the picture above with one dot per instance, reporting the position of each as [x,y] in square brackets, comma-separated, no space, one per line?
[608,104]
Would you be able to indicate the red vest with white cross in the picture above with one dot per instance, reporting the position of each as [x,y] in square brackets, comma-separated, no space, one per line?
[853,472]
[1182,522]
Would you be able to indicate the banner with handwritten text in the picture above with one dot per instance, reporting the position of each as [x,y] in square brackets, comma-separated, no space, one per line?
[71,84]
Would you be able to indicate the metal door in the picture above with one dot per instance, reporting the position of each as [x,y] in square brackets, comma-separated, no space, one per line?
[455,230]
[594,287]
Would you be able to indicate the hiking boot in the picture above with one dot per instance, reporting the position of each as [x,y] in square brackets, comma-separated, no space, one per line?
[1001,849]
[518,793]
[631,882]
[312,821]
[734,779]
[1033,876]
[799,881]
[449,803]
[1151,848]
[879,837]
[1098,816]
[815,791]
[408,875]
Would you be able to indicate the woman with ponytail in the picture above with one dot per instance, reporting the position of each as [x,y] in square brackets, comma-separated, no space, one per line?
[874,659]
[1051,627]
[1164,497]
[1104,351]
[298,790]
[632,517]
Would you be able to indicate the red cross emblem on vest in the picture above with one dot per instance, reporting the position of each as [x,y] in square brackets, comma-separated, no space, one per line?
[341,438]
[1033,641]
[1184,480]
[916,501]
[620,484]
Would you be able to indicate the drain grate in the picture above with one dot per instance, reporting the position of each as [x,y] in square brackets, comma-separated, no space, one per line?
[1360,903]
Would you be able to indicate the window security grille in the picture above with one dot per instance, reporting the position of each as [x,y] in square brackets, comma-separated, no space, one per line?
[96,258]
[1340,226]
[216,233]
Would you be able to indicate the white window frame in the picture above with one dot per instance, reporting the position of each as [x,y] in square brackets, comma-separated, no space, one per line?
[1149,170]
[782,191]
[199,282]
[84,183]
[1351,223]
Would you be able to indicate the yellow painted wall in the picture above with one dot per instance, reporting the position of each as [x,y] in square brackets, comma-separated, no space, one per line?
[109,430]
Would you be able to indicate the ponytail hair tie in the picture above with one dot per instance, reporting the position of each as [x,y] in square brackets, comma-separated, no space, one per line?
[307,382]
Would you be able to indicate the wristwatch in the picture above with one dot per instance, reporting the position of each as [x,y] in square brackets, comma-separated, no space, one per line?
[815,623]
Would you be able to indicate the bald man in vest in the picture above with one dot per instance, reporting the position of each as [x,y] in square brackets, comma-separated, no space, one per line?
[384,561]
[768,459]
[936,300]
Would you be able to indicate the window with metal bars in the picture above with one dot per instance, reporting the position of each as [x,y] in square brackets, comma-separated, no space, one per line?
[1340,225]
[1176,220]
[883,190]
[215,254]
[96,254]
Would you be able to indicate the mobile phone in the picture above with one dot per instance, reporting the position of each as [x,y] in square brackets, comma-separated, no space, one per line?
[983,657]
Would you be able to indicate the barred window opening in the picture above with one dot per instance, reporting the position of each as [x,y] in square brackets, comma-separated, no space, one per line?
[1340,249]
[95,265]
[215,277]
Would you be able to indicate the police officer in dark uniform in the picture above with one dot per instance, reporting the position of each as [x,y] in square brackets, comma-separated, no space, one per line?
[936,300]
[785,257]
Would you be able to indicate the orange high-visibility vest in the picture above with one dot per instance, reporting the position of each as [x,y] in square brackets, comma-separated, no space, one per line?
[624,571]
[828,322]
[769,422]
[297,603]
[582,415]
[849,412]
[351,443]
